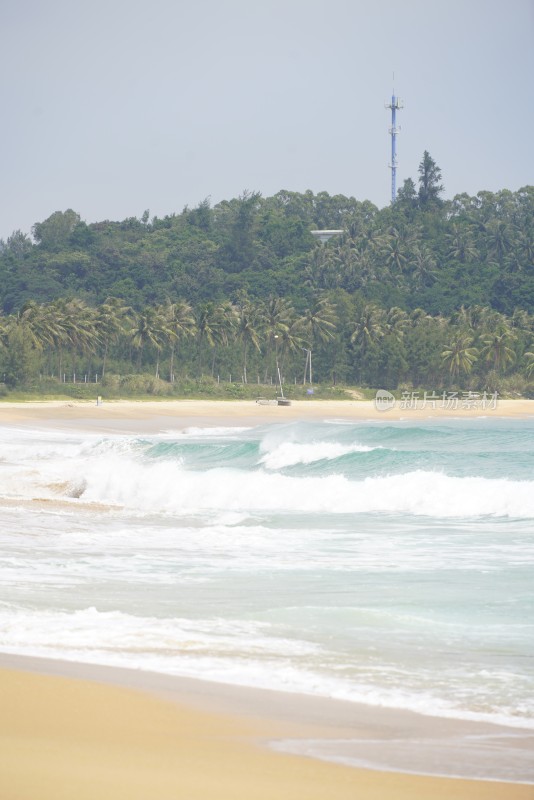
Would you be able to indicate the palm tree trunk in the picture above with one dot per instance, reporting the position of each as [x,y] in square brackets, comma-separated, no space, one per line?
[200,357]
[104,360]
[268,359]
[171,367]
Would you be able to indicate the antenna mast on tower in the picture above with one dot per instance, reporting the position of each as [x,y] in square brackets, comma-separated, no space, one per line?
[395,106]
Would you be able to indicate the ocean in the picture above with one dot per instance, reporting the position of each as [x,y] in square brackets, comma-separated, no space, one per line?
[385,563]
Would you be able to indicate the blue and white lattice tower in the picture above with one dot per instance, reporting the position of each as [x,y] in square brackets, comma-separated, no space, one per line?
[395,106]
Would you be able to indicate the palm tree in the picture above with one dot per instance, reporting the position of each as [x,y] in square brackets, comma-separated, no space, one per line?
[483,318]
[497,350]
[397,322]
[521,321]
[247,318]
[206,327]
[214,323]
[319,321]
[317,324]
[461,318]
[180,324]
[291,339]
[40,326]
[373,239]
[395,251]
[480,319]
[368,330]
[111,320]
[459,356]
[316,268]
[418,315]
[525,246]
[82,333]
[35,321]
[529,369]
[359,266]
[73,326]
[276,315]
[369,326]
[324,267]
[25,332]
[226,321]
[423,267]
[151,329]
[500,238]
[55,315]
[461,245]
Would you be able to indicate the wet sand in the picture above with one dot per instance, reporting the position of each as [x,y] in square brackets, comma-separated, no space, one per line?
[97,733]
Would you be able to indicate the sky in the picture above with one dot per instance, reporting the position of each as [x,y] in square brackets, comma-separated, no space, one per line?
[112,107]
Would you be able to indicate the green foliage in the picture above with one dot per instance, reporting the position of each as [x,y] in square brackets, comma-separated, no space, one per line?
[19,357]
[425,291]
[54,232]
[422,251]
[430,187]
[236,391]
[142,384]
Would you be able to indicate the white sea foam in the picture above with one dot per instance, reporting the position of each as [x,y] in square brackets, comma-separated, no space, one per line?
[288,454]
[116,473]
[167,486]
[89,629]
[197,433]
[239,652]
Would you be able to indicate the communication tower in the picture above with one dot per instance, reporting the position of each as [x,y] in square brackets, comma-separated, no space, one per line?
[395,106]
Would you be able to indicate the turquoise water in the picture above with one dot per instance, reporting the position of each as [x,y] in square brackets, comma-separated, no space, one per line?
[387,563]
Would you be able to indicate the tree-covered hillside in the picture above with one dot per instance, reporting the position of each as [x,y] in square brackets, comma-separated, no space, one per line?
[409,293]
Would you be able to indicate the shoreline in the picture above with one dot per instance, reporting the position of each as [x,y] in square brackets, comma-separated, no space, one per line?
[124,416]
[70,729]
[267,740]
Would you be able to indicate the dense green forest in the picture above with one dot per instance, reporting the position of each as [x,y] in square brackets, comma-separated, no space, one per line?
[426,292]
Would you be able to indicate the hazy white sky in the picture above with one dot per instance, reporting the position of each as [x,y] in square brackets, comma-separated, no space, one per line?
[111,107]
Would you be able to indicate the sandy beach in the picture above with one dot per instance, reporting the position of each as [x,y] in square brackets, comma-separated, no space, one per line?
[127,415]
[70,730]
